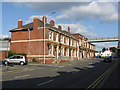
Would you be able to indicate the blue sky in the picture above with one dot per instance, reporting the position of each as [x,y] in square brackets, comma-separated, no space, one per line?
[92,19]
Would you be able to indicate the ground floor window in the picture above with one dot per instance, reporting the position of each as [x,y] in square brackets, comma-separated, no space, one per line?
[67,52]
[50,50]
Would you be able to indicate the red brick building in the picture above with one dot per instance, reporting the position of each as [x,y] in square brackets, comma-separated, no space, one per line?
[47,43]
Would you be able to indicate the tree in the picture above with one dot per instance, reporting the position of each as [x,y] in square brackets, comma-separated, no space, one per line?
[104,49]
[9,39]
[113,49]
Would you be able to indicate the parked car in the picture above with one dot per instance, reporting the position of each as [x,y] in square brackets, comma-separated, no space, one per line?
[108,59]
[16,59]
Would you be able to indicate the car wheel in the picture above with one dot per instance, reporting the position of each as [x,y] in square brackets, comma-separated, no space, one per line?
[21,63]
[6,63]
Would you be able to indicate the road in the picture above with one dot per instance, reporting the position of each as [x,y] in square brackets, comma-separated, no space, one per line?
[78,74]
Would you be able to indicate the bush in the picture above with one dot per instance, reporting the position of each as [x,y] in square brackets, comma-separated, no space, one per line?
[33,60]
[10,53]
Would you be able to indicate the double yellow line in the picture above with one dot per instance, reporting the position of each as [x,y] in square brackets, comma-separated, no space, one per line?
[96,82]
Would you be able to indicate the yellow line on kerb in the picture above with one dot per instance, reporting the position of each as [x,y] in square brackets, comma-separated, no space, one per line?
[96,82]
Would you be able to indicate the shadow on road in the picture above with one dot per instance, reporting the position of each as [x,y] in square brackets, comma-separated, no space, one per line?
[81,78]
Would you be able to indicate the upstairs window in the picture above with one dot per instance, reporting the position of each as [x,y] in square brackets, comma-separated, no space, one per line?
[71,42]
[50,35]
[67,40]
[61,39]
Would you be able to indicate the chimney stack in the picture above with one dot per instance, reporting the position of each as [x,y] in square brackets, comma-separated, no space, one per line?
[59,27]
[44,17]
[68,29]
[52,23]
[20,24]
[36,23]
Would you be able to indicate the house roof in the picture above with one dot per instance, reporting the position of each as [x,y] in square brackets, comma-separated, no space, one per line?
[30,27]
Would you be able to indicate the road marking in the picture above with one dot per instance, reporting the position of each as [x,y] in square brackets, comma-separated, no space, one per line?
[97,81]
[22,76]
[90,66]
[45,82]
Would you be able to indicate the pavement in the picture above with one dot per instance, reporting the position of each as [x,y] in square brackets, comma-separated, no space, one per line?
[12,67]
[64,63]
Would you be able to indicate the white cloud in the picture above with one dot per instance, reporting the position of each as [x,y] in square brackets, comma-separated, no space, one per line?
[75,28]
[78,28]
[4,36]
[105,12]
[106,45]
[38,16]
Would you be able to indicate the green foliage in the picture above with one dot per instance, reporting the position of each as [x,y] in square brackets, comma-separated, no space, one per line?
[113,49]
[55,46]
[48,44]
[24,54]
[66,47]
[104,49]
[33,60]
[9,39]
[10,53]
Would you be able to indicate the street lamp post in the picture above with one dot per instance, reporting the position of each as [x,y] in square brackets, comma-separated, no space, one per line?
[29,44]
[44,21]
[44,40]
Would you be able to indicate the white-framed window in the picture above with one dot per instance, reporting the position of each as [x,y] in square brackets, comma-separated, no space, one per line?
[50,35]
[67,52]
[90,46]
[77,44]
[50,50]
[62,51]
[78,53]
[61,38]
[67,40]
[71,42]
[74,43]
[74,53]
[56,37]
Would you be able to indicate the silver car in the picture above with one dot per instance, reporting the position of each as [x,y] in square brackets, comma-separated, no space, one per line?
[20,59]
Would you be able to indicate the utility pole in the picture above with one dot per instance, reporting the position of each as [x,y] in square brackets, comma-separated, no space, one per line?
[29,44]
[44,40]
[44,21]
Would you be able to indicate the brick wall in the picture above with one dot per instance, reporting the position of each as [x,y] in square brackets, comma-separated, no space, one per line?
[3,55]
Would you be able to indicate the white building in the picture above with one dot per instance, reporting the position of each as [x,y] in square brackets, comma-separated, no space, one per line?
[4,48]
[106,53]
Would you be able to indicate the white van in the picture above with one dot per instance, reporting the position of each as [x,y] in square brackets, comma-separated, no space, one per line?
[20,59]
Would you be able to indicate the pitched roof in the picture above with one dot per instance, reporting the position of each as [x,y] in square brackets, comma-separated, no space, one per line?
[30,27]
